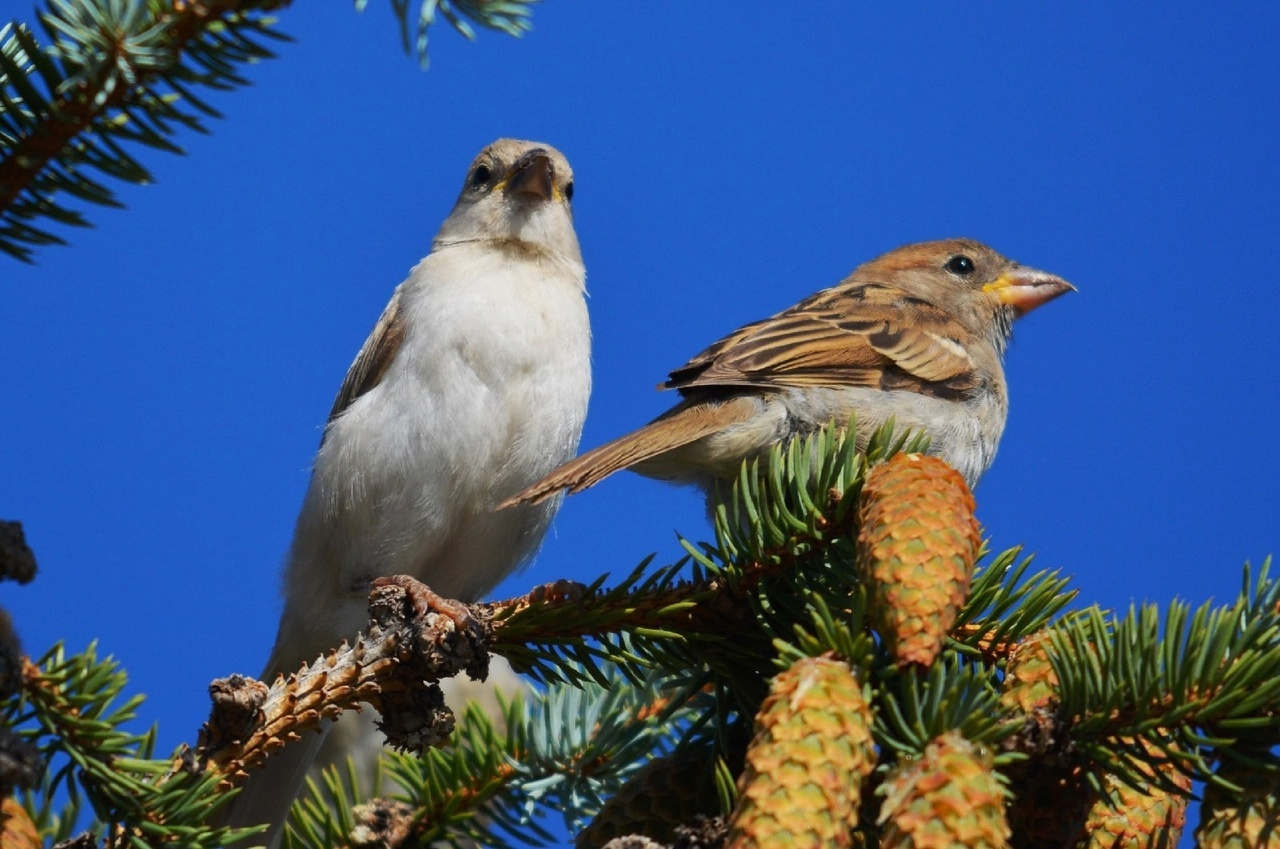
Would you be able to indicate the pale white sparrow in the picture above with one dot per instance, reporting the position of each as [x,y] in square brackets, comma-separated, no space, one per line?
[473,383]
[916,334]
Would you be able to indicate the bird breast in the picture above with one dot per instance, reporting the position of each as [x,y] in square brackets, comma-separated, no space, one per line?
[965,434]
[487,392]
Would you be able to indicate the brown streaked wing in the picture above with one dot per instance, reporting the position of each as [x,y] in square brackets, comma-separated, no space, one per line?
[868,335]
[690,371]
[374,359]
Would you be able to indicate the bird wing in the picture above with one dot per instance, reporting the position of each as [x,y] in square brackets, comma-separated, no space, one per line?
[374,359]
[867,334]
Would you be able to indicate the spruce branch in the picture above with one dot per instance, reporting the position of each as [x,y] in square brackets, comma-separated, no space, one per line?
[1092,719]
[445,797]
[783,533]
[565,750]
[70,710]
[414,639]
[111,75]
[1005,606]
[705,699]
[508,16]
[1208,675]
[951,696]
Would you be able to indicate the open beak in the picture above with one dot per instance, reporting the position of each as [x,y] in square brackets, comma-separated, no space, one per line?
[531,175]
[1024,289]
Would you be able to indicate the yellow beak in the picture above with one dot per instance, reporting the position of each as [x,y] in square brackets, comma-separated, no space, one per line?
[1024,289]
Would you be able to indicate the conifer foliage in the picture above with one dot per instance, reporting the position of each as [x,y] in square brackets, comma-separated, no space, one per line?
[97,81]
[749,694]
[844,664]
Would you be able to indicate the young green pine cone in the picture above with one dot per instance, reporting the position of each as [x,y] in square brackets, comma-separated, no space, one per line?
[1247,821]
[948,798]
[1030,682]
[805,768]
[1152,818]
[16,829]
[917,543]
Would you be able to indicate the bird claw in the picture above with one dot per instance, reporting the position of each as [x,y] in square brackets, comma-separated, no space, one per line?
[425,601]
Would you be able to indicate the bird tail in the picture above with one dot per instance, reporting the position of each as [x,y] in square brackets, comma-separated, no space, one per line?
[674,429]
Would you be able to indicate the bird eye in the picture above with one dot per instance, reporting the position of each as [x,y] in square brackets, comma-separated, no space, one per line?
[960,265]
[568,190]
[481,176]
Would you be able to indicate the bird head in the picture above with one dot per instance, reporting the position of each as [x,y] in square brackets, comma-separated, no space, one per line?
[517,193]
[982,289]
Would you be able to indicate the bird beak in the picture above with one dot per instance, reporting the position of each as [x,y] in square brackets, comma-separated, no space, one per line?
[1024,289]
[531,175]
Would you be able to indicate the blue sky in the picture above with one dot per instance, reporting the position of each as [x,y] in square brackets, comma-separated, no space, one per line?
[167,375]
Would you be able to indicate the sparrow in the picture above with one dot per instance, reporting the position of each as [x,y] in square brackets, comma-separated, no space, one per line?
[473,382]
[916,335]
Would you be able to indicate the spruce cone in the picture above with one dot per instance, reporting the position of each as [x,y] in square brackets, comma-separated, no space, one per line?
[805,768]
[664,793]
[1248,821]
[917,544]
[1126,818]
[16,829]
[1029,682]
[948,797]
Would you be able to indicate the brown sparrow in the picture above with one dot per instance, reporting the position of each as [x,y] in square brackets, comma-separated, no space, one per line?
[915,335]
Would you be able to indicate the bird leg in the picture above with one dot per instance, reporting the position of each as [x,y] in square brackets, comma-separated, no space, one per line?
[425,601]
